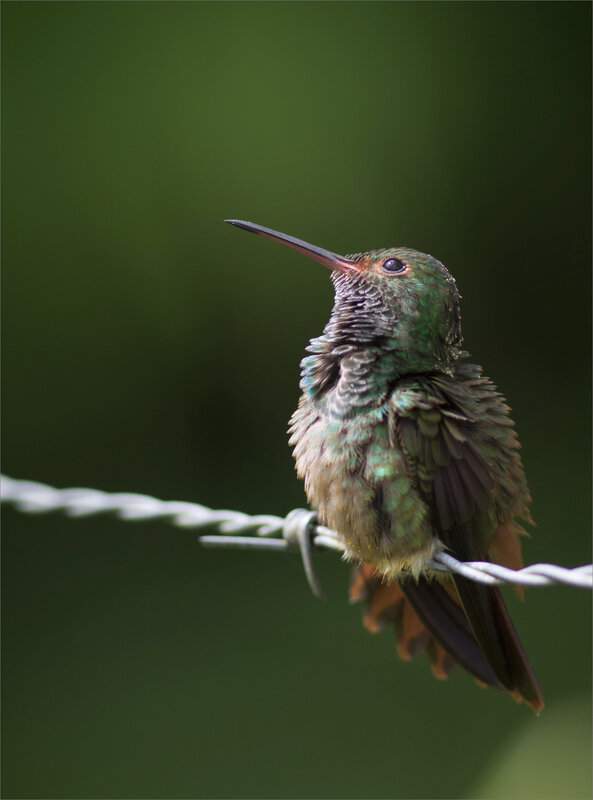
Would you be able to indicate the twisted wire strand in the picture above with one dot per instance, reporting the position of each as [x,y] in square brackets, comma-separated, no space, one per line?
[268,532]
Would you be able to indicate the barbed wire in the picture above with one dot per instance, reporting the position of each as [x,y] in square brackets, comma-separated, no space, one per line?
[299,530]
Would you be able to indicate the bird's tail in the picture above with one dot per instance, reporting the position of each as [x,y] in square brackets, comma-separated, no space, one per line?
[432,615]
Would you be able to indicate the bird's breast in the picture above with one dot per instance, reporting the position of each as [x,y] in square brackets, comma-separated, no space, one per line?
[360,484]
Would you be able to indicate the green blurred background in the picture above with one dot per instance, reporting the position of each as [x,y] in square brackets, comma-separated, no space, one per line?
[148,347]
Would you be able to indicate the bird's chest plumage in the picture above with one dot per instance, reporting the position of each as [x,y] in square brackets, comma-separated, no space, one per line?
[356,475]
[394,468]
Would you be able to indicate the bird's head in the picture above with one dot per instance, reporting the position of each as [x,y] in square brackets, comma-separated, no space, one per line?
[396,297]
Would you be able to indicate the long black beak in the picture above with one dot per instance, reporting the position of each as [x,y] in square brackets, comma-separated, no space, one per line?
[331,260]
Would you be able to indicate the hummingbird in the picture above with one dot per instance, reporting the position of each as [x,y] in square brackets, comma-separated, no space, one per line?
[407,450]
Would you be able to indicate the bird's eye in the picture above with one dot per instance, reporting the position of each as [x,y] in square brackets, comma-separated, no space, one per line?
[393,265]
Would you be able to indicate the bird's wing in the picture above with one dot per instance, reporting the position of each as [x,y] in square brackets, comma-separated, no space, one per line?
[436,436]
[463,459]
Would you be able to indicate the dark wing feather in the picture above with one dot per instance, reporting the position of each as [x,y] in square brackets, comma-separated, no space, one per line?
[447,623]
[453,475]
[490,621]
[446,449]
[426,615]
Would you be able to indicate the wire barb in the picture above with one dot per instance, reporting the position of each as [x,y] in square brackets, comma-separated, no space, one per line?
[298,530]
